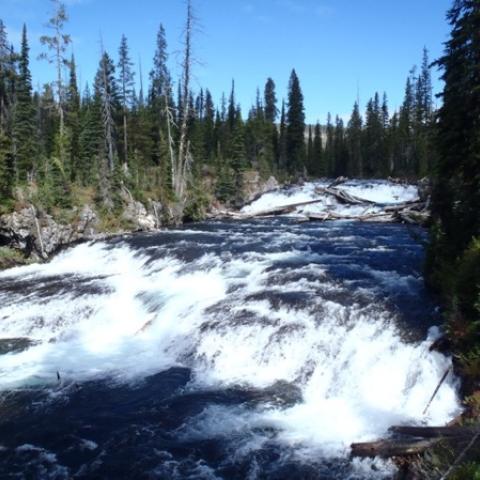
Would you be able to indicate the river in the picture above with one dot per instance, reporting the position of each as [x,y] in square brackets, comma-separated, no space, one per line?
[220,350]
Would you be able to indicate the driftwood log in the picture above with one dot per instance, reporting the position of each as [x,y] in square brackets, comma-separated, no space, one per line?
[418,440]
[436,432]
[392,448]
[412,212]
[343,197]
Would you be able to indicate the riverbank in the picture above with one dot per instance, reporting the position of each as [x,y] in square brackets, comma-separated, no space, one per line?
[31,232]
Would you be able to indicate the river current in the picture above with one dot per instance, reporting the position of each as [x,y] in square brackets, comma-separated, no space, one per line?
[221,350]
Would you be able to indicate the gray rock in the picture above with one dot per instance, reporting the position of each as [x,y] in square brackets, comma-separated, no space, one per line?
[136,214]
[38,234]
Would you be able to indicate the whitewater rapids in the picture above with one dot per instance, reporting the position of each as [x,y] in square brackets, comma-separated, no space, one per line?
[257,349]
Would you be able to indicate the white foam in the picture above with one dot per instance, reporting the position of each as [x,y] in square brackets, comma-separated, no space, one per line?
[356,375]
[378,191]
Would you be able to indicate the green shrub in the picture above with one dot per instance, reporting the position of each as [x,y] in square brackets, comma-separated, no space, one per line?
[469,471]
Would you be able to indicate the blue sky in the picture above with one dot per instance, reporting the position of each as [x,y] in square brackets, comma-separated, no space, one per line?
[336,46]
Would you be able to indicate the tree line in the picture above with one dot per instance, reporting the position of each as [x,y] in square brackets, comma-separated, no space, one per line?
[454,260]
[164,140]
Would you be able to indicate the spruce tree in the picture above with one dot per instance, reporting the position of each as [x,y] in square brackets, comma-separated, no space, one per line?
[354,142]
[209,127]
[23,124]
[232,109]
[296,152]
[309,162]
[318,162]
[329,153]
[270,100]
[72,107]
[90,139]
[340,150]
[126,78]
[282,141]
[456,200]
[160,76]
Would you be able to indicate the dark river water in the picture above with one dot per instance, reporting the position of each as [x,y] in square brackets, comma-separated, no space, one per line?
[221,350]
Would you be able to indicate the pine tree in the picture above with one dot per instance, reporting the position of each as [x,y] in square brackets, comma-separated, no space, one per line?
[309,162]
[340,150]
[90,139]
[160,76]
[282,141]
[209,127]
[373,138]
[456,200]
[107,101]
[72,107]
[318,162]
[354,141]
[126,82]
[270,98]
[423,118]
[329,153]
[296,154]
[232,109]
[405,129]
[7,76]
[23,123]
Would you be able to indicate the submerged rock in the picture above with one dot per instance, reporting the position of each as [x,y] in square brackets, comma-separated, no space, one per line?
[15,345]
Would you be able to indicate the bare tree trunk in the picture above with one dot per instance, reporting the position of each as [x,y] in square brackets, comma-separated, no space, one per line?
[181,169]
[171,142]
[108,118]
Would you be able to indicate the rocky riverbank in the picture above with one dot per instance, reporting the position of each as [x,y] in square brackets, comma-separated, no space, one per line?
[30,234]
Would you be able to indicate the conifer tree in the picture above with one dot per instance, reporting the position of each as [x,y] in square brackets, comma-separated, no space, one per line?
[329,153]
[340,151]
[296,153]
[89,139]
[354,141]
[232,109]
[160,76]
[126,82]
[23,125]
[309,162]
[209,127]
[106,99]
[456,200]
[270,99]
[318,163]
[72,107]
[282,142]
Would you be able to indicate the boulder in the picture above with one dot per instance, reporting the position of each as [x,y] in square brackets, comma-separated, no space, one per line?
[136,214]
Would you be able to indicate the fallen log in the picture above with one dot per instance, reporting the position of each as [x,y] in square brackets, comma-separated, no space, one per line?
[412,205]
[281,210]
[391,448]
[343,197]
[361,218]
[338,181]
[436,432]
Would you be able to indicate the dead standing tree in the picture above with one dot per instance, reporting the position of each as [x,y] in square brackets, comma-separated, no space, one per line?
[181,164]
[57,44]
